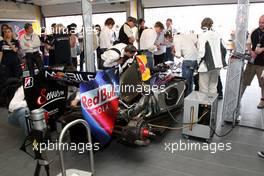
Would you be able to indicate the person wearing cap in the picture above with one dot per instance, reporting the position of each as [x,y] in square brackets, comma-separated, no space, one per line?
[30,44]
[126,34]
[118,54]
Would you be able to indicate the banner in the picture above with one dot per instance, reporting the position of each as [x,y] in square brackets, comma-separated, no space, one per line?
[100,103]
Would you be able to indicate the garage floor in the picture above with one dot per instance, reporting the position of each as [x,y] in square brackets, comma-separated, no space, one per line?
[250,115]
[120,160]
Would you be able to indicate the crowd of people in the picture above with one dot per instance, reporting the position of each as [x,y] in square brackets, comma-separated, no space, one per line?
[159,43]
[59,48]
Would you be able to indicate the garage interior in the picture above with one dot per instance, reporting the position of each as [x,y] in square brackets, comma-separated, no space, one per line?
[117,159]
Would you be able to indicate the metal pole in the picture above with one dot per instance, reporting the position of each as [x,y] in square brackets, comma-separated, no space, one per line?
[88,36]
[232,97]
[64,130]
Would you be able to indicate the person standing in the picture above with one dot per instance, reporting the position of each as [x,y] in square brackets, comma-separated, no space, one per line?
[106,34]
[30,45]
[141,27]
[48,47]
[3,28]
[126,34]
[160,53]
[8,54]
[255,46]
[185,46]
[44,51]
[208,79]
[147,43]
[74,43]
[60,43]
[105,39]
[169,32]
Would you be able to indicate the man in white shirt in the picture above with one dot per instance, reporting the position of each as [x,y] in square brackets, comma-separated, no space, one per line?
[18,110]
[185,46]
[118,54]
[106,34]
[105,40]
[147,42]
[30,44]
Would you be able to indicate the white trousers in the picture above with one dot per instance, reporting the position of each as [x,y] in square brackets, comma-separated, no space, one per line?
[208,81]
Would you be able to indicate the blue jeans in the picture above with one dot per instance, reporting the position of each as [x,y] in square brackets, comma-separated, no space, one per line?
[188,68]
[169,55]
[18,118]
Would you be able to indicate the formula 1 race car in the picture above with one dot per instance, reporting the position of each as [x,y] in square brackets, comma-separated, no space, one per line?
[126,105]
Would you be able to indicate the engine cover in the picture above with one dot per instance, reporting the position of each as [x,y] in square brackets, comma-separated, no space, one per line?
[172,96]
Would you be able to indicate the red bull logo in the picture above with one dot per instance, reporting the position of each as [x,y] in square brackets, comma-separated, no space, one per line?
[98,97]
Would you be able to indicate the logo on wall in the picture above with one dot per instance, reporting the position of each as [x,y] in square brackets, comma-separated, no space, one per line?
[28,82]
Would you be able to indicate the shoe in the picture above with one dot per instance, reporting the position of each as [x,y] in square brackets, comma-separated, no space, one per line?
[220,97]
[261,154]
[261,104]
